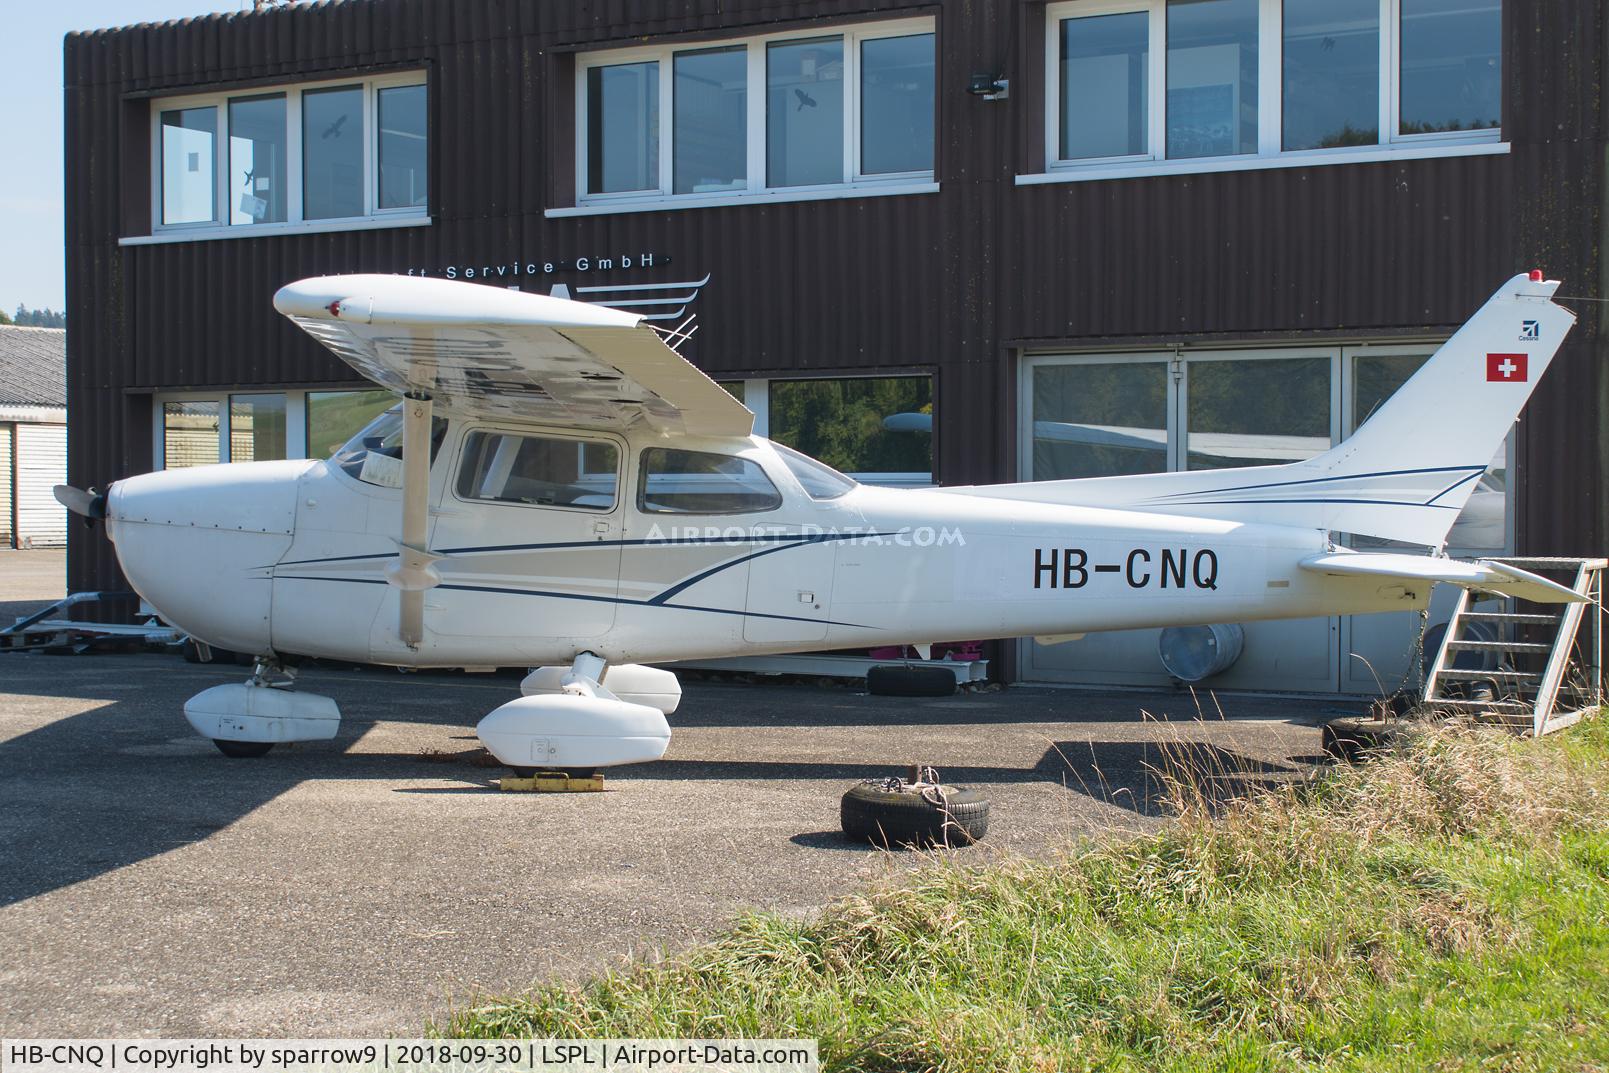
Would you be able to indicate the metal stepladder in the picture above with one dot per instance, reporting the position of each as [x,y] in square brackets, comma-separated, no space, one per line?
[1529,659]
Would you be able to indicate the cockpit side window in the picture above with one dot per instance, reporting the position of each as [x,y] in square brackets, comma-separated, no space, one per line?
[542,471]
[700,482]
[374,455]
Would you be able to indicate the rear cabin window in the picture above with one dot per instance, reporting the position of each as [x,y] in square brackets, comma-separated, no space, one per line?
[697,482]
[539,471]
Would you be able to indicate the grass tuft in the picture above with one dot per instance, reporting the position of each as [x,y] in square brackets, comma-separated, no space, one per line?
[1441,907]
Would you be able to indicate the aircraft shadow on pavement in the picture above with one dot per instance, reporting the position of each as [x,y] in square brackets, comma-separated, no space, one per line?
[1139,776]
[89,793]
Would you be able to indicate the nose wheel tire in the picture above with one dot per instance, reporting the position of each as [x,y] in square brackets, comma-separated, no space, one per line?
[242,750]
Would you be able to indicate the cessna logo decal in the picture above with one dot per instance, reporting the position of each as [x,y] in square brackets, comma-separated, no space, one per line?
[1070,568]
[1530,330]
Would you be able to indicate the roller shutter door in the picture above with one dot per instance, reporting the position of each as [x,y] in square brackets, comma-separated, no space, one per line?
[7,477]
[41,465]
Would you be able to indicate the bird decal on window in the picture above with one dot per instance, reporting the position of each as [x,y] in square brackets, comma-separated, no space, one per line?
[805,100]
[334,129]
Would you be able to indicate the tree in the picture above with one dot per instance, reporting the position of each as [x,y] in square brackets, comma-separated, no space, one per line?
[39,318]
[3,318]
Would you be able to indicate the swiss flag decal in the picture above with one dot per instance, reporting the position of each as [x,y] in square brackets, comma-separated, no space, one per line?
[1506,368]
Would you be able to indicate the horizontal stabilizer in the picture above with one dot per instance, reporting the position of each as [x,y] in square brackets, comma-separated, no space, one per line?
[1499,578]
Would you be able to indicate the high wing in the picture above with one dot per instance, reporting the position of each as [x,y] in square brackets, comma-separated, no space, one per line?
[481,351]
[1499,578]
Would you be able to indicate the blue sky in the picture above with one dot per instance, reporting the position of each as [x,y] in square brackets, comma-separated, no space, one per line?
[31,248]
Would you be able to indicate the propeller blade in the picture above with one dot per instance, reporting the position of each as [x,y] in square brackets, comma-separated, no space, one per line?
[90,504]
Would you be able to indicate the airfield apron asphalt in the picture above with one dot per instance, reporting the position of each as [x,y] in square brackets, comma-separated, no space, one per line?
[363,885]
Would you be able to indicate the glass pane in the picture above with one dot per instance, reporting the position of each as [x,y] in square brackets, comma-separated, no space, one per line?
[1375,378]
[734,388]
[1104,65]
[860,424]
[258,143]
[1332,73]
[623,128]
[334,417]
[256,428]
[1212,77]
[818,481]
[1483,523]
[189,157]
[402,147]
[896,104]
[696,482]
[332,153]
[710,98]
[1257,411]
[539,471]
[374,453]
[1452,65]
[190,433]
[1102,420]
[804,112]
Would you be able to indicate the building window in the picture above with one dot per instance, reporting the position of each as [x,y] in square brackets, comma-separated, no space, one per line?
[1135,84]
[710,94]
[202,430]
[877,429]
[291,158]
[189,159]
[334,417]
[1118,415]
[190,434]
[257,427]
[765,116]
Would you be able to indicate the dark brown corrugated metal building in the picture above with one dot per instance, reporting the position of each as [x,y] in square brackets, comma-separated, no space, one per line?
[1195,242]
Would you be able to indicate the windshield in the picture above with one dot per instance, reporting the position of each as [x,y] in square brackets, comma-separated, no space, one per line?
[374,456]
[820,481]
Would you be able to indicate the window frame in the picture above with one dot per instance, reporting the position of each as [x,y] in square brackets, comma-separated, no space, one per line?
[1393,144]
[1342,356]
[757,397]
[854,182]
[295,420]
[294,223]
[461,458]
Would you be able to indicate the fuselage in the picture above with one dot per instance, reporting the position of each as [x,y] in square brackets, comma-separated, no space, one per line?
[640,564]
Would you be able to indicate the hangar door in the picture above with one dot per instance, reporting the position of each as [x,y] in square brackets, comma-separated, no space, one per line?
[41,464]
[7,479]
[1102,415]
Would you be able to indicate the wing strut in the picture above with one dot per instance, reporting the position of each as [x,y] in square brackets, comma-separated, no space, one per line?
[414,570]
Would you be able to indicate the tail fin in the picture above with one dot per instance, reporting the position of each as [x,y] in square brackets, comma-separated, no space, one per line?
[1406,473]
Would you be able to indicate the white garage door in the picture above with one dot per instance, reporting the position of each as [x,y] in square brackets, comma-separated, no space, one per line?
[5,486]
[41,465]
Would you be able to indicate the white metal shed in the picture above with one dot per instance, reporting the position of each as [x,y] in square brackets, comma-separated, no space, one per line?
[33,436]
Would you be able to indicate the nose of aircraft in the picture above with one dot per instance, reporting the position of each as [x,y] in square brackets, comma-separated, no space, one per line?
[198,544]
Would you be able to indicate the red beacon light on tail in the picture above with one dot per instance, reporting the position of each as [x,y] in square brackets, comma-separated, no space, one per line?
[1536,275]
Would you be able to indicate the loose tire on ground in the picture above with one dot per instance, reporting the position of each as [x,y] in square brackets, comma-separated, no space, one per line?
[1353,738]
[242,750]
[899,680]
[871,812]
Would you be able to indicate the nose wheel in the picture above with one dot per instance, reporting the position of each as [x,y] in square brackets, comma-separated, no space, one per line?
[247,719]
[242,750]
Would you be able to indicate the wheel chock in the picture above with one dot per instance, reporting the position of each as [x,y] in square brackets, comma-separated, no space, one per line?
[551,782]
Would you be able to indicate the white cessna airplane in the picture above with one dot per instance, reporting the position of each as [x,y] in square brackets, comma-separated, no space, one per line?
[560,489]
